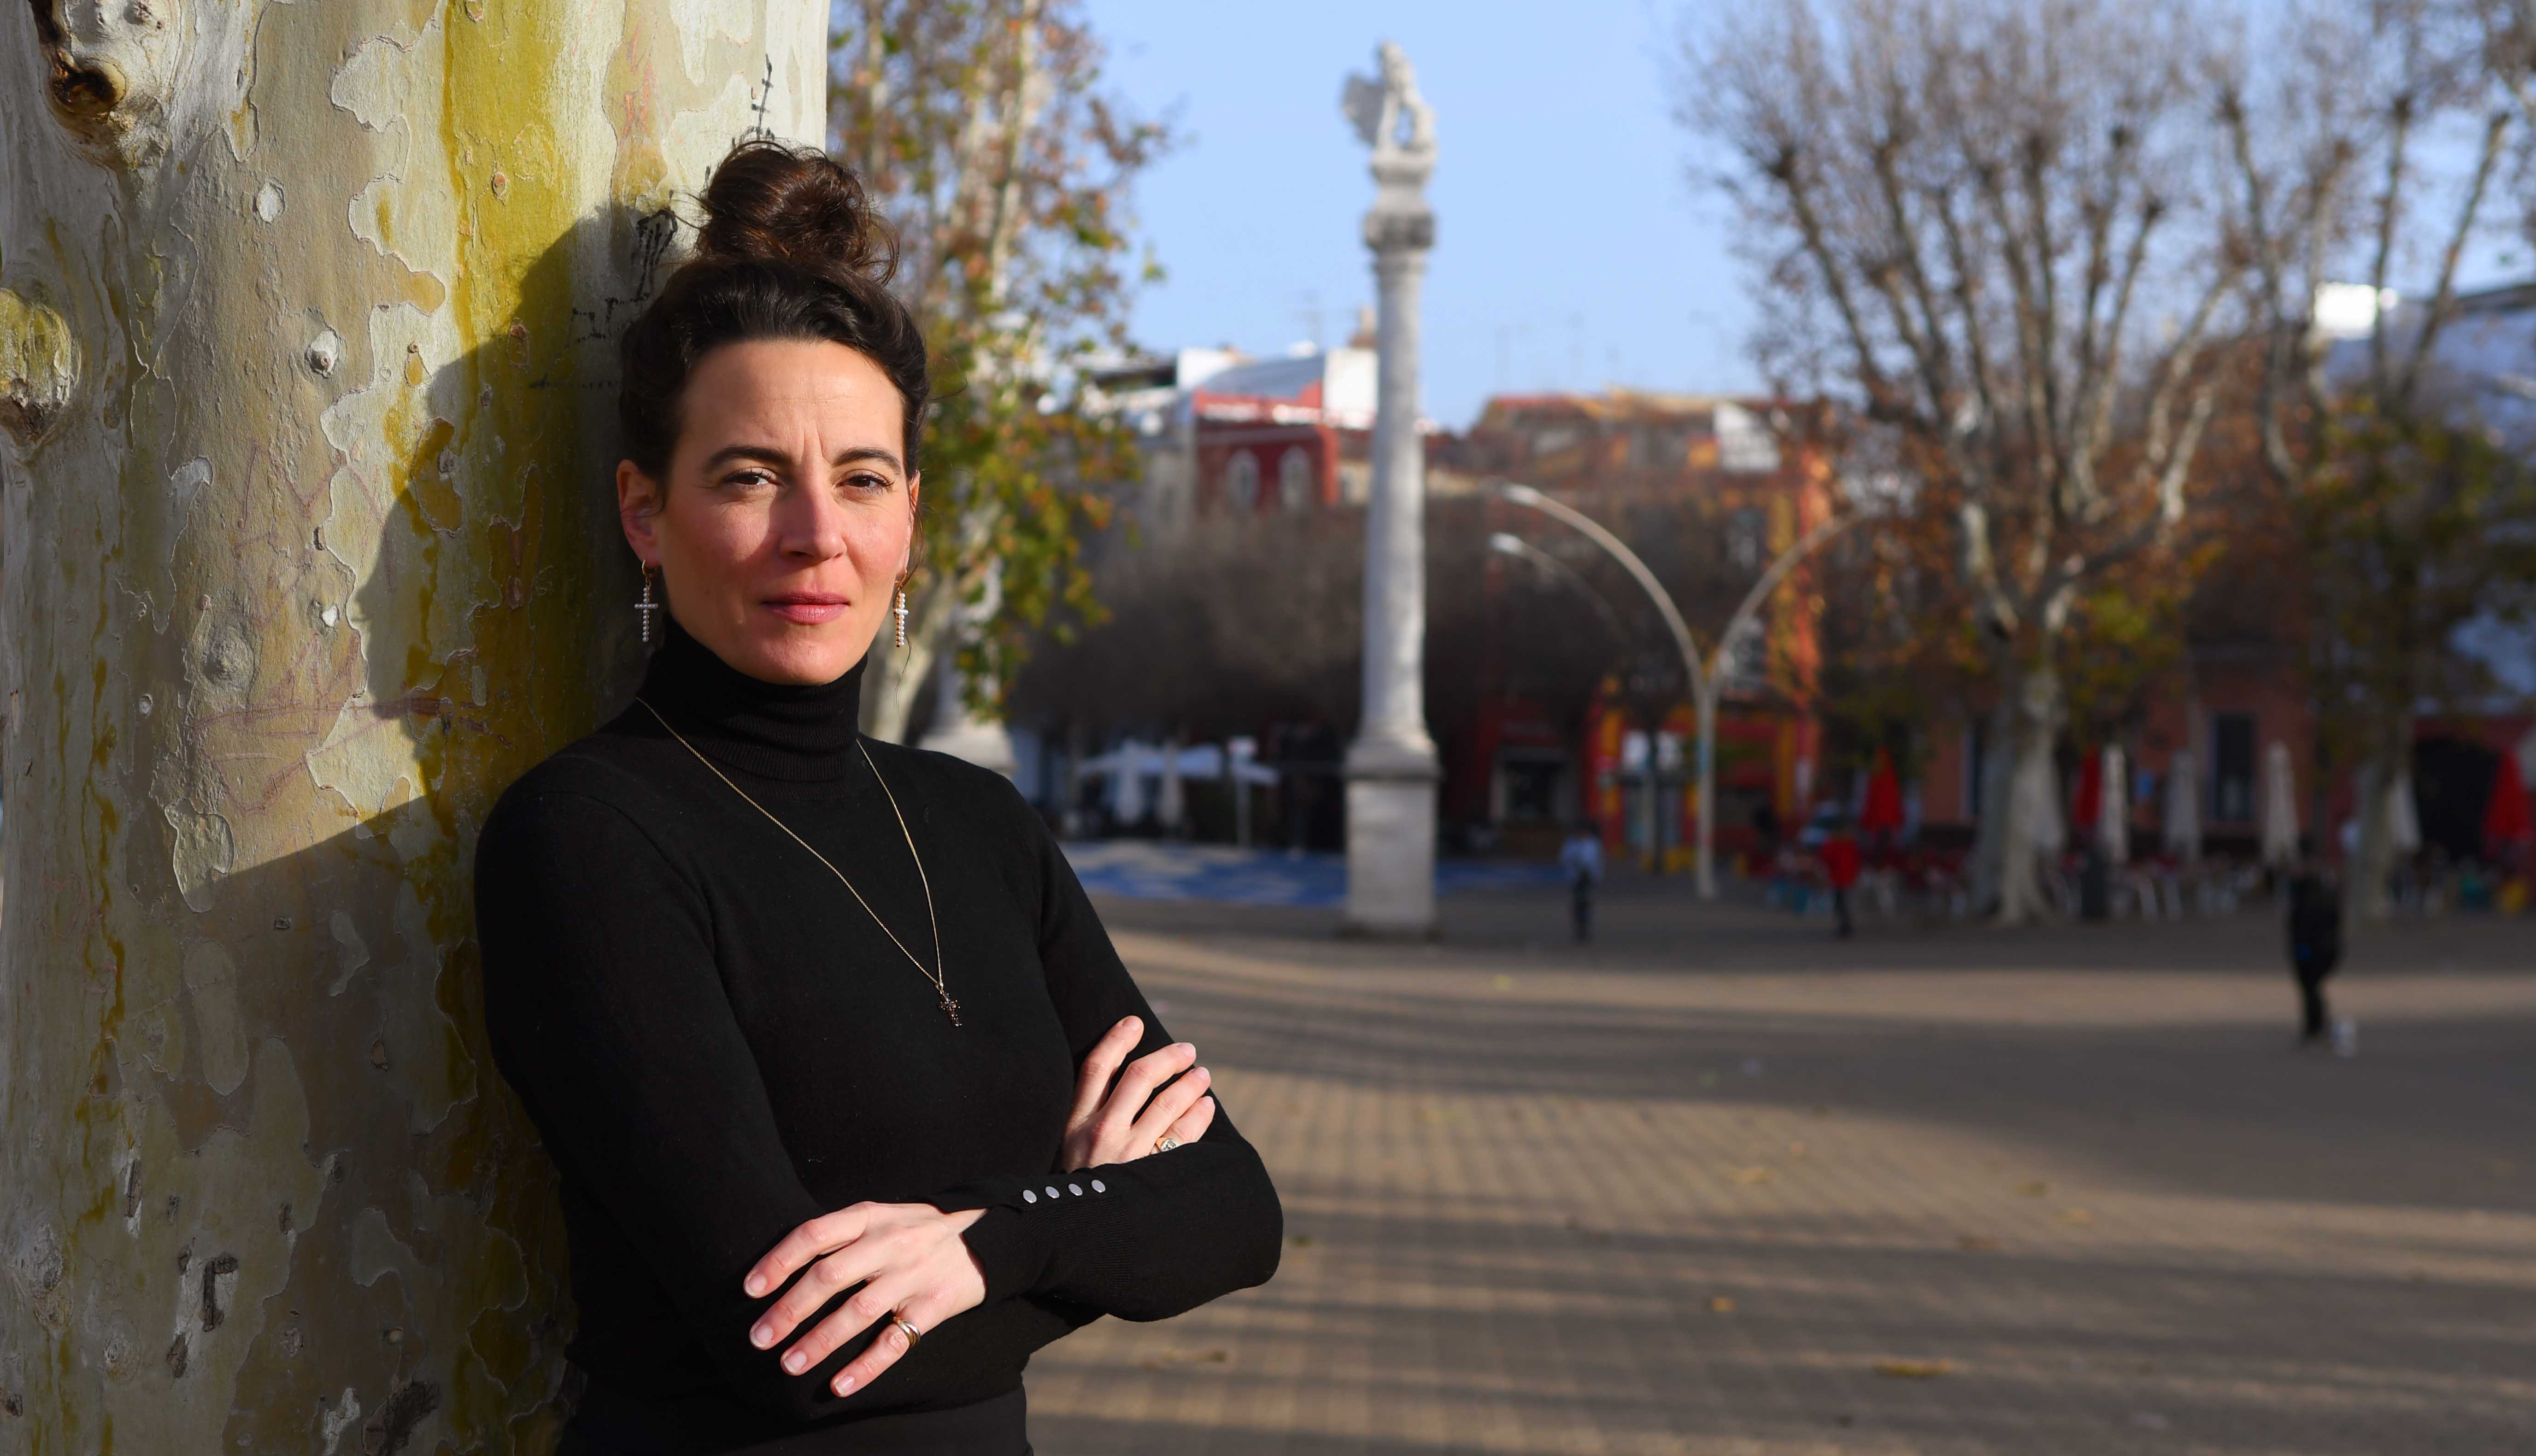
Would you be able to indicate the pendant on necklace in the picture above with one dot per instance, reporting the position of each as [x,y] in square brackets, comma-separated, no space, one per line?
[950,1007]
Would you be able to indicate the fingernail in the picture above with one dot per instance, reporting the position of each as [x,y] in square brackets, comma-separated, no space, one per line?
[755,1285]
[1187,1047]
[762,1335]
[797,1362]
[845,1383]
[1198,1072]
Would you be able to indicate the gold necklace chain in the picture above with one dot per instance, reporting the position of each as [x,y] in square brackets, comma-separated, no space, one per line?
[950,1006]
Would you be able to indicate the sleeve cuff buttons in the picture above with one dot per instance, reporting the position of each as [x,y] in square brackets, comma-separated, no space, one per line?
[1029,1196]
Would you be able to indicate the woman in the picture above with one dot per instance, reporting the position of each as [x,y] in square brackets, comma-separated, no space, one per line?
[853,1104]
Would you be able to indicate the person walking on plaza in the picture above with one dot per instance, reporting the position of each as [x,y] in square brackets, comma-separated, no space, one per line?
[1840,862]
[2315,942]
[1581,858]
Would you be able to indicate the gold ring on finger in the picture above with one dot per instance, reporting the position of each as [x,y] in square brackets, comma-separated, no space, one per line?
[1166,1143]
[908,1328]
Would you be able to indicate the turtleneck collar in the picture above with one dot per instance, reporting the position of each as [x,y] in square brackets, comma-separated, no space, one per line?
[799,732]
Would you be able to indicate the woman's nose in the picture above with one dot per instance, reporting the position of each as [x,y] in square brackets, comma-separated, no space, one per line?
[812,527]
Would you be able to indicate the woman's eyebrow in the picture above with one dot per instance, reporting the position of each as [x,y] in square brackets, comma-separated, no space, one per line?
[857,453]
[774,456]
[768,454]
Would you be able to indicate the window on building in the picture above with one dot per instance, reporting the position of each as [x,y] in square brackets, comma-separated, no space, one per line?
[1747,654]
[1744,539]
[1241,480]
[2232,767]
[1295,478]
[1531,787]
[1744,442]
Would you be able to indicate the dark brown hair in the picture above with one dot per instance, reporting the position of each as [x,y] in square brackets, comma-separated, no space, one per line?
[790,249]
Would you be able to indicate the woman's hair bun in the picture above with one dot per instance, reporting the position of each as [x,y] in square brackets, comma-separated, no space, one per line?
[769,200]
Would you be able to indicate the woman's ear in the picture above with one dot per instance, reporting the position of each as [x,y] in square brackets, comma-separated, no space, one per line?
[638,510]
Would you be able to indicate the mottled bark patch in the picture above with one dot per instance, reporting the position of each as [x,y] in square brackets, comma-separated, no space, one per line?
[387,1431]
[219,1277]
[38,370]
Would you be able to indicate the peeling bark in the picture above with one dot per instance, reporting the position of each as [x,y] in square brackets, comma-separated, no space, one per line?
[307,320]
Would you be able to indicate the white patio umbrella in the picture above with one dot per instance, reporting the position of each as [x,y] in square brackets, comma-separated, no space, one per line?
[1127,782]
[1170,805]
[2184,808]
[2280,806]
[2114,807]
[2403,819]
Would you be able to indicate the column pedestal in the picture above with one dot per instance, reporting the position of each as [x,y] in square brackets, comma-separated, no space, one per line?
[1391,840]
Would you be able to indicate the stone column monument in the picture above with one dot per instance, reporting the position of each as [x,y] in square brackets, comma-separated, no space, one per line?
[1391,768]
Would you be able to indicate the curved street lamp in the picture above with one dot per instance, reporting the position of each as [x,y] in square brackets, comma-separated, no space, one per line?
[1705,676]
[1507,544]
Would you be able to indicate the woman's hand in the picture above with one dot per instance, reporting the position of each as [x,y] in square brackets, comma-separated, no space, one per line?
[907,1257]
[1117,1124]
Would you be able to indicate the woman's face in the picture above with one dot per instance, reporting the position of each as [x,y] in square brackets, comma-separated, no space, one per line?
[788,515]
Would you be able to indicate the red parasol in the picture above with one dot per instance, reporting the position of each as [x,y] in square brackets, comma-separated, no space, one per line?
[1882,811]
[2090,798]
[2505,818]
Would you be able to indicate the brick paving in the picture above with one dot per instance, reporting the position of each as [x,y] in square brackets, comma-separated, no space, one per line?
[1719,1184]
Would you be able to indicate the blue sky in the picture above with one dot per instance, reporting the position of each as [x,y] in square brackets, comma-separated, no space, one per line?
[1570,251]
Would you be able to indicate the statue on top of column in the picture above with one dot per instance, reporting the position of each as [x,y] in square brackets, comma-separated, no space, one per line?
[1397,123]
[1381,107]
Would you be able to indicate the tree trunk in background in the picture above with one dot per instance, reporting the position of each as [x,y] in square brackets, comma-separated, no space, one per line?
[2018,787]
[899,675]
[2033,798]
[2365,897]
[307,322]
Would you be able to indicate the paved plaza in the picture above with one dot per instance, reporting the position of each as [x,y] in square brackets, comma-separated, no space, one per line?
[1719,1183]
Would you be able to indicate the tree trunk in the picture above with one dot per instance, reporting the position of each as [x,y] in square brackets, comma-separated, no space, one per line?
[2019,791]
[1990,826]
[2032,798]
[307,320]
[2365,898]
[899,675]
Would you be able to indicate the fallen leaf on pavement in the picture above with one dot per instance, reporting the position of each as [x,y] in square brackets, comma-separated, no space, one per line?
[2034,1190]
[2079,1216]
[1170,1358]
[1752,1175]
[1978,1244]
[1720,1305]
[1914,1370]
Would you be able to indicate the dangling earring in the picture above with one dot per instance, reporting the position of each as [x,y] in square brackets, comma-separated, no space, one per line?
[899,611]
[644,607]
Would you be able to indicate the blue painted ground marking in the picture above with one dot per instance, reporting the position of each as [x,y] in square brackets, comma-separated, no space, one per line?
[1153,869]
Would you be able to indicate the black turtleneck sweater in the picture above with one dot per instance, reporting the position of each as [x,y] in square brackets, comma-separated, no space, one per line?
[719,1044]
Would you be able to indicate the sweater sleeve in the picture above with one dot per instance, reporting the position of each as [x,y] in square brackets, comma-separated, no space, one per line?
[607,1016]
[1143,1239]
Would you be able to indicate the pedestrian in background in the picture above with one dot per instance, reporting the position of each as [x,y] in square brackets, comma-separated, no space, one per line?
[2315,945]
[1840,862]
[1581,857]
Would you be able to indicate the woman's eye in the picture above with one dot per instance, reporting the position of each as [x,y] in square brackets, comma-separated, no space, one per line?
[748,478]
[868,482]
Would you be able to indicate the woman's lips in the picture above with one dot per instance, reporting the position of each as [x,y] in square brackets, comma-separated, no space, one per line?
[807,612]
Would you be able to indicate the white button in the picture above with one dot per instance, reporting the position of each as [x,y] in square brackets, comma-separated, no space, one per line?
[1099,1187]
[1029,1197]
[1052,1192]
[1074,1188]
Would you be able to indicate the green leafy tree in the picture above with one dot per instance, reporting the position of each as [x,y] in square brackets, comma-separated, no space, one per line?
[983,128]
